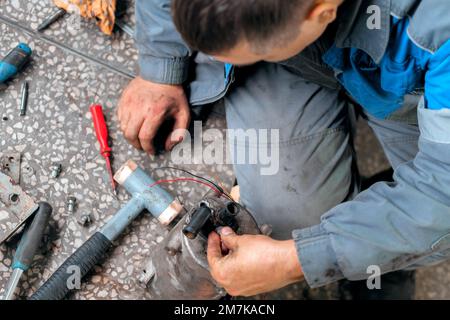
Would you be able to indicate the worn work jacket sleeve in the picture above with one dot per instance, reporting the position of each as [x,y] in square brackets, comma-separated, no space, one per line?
[395,225]
[163,56]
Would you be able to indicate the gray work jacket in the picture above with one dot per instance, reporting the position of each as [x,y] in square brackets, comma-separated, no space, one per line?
[393,226]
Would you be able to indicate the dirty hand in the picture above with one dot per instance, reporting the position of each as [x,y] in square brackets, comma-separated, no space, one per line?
[254,264]
[145,106]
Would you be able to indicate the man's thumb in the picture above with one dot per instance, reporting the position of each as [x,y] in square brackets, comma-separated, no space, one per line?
[229,238]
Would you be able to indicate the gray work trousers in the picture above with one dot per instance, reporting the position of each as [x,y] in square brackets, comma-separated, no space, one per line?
[316,159]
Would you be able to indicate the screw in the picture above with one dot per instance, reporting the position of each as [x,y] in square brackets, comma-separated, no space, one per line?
[51,19]
[56,170]
[24,99]
[71,203]
[85,220]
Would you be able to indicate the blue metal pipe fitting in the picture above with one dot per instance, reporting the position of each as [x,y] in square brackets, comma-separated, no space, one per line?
[145,195]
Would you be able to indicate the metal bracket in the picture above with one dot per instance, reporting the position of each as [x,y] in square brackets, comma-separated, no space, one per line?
[15,207]
[10,165]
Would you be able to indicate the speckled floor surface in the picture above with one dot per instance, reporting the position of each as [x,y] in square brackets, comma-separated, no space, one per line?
[74,65]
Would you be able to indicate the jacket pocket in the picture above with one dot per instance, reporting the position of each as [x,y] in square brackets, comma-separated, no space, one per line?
[400,77]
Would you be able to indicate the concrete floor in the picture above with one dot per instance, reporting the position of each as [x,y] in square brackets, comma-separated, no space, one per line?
[73,66]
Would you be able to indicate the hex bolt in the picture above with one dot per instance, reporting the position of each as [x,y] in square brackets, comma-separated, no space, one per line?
[56,170]
[71,203]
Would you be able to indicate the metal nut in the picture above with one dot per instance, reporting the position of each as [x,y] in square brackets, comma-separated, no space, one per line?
[14,198]
[71,203]
[56,170]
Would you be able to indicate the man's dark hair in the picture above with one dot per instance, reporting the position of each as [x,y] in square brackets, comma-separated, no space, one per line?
[215,26]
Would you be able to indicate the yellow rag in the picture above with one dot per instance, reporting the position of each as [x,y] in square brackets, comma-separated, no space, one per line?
[102,10]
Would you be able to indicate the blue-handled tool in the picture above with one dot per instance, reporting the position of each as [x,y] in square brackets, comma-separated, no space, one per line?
[28,246]
[145,196]
[13,63]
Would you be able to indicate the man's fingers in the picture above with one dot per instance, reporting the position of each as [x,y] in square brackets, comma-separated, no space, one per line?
[148,132]
[229,238]
[182,120]
[214,250]
[132,130]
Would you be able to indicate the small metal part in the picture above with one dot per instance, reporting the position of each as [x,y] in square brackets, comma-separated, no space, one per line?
[24,99]
[85,220]
[51,19]
[10,165]
[15,207]
[14,198]
[56,170]
[71,203]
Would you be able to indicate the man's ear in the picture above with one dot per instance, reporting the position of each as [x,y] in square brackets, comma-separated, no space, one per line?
[324,12]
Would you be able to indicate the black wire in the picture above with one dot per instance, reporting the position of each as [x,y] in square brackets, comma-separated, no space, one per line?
[199,177]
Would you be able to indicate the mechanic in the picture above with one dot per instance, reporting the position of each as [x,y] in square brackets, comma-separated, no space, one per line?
[300,66]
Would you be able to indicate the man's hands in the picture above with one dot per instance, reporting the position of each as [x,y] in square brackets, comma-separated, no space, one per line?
[143,108]
[254,264]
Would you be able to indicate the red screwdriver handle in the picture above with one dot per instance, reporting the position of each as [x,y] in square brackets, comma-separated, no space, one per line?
[101,130]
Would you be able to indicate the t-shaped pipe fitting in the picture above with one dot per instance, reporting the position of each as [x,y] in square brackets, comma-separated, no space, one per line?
[145,195]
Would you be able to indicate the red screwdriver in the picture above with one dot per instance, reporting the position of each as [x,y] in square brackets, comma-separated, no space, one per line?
[102,136]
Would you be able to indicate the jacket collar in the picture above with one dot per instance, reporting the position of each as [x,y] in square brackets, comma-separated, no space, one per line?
[353,29]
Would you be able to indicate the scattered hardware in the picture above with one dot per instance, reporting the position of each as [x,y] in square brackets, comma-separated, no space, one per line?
[15,207]
[28,246]
[14,61]
[24,99]
[51,19]
[85,220]
[101,131]
[56,170]
[154,199]
[71,204]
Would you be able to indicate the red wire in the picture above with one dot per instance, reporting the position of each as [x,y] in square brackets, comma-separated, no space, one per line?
[186,179]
